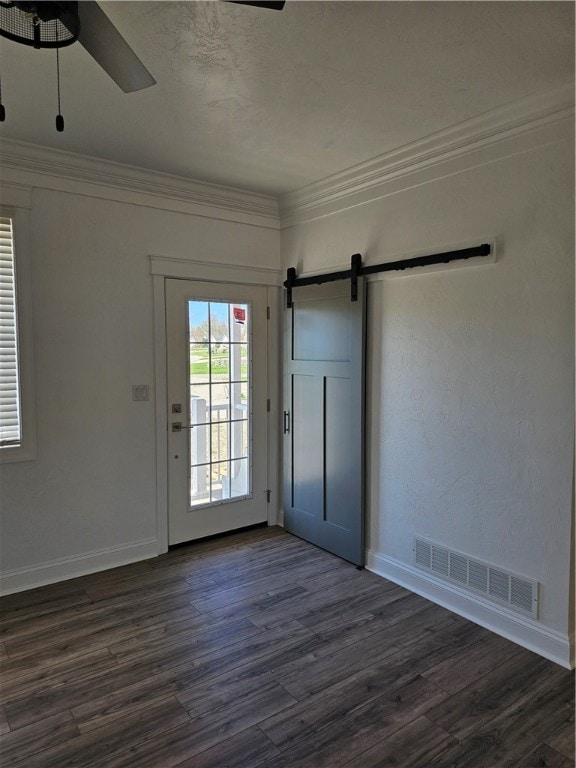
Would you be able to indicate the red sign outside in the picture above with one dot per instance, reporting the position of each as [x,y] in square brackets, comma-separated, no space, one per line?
[239,315]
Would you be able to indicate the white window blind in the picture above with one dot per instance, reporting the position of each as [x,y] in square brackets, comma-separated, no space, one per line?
[10,423]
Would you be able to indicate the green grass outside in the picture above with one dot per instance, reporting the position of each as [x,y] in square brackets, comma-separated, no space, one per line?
[220,365]
[201,369]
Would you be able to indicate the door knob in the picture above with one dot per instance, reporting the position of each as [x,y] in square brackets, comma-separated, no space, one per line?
[177,426]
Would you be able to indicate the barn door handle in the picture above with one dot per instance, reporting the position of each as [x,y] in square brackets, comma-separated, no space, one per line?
[286,422]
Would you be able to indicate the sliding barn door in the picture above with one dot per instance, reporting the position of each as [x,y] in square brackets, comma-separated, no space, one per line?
[324,418]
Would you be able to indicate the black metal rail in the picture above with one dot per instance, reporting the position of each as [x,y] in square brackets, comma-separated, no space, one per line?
[357,270]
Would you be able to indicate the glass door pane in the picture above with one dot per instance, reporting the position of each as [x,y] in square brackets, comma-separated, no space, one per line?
[219,365]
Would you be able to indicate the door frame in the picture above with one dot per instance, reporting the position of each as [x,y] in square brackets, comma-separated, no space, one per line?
[162,268]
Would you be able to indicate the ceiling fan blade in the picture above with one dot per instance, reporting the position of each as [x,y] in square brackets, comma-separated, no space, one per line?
[275,5]
[105,44]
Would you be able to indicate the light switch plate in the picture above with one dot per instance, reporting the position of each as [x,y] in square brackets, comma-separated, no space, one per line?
[140,392]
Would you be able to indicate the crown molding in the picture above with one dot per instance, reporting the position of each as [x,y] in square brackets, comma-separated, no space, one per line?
[48,168]
[519,125]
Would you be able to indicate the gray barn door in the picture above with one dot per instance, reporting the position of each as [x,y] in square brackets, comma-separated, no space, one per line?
[324,418]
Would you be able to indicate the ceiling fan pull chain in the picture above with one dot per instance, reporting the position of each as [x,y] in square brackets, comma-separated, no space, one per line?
[59,118]
[36,30]
[2,110]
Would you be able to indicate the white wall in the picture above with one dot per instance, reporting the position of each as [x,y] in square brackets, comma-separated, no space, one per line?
[470,383]
[470,401]
[92,487]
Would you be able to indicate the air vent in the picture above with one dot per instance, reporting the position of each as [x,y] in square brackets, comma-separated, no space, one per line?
[423,553]
[495,584]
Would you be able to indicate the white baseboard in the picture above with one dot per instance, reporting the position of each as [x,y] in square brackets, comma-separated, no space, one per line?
[50,572]
[526,632]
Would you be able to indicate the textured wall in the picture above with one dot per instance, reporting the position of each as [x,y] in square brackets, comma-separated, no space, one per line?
[92,486]
[470,370]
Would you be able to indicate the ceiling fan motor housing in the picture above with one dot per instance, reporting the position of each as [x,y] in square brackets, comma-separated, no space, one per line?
[53,24]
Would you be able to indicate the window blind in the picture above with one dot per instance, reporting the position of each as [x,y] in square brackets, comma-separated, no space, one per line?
[10,427]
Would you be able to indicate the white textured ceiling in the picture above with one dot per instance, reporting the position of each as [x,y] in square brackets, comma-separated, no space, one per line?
[271,101]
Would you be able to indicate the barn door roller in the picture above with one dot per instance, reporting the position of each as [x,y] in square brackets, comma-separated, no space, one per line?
[357,270]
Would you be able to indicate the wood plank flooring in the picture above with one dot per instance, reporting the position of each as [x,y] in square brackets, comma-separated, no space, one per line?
[257,649]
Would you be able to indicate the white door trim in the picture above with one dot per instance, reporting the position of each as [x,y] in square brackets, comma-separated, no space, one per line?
[211,272]
[161,268]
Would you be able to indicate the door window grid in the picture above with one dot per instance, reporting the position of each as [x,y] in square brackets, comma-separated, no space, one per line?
[219,401]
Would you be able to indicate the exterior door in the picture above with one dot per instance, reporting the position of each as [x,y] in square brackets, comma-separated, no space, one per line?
[324,418]
[217,390]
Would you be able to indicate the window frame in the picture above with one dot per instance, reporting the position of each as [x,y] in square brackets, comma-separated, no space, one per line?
[26,449]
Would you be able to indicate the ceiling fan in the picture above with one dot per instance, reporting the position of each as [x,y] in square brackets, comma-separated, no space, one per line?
[58,23]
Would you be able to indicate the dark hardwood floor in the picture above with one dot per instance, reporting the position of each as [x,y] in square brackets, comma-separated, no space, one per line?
[257,649]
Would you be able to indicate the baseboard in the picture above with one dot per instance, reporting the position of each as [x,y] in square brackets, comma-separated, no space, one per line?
[20,579]
[526,632]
